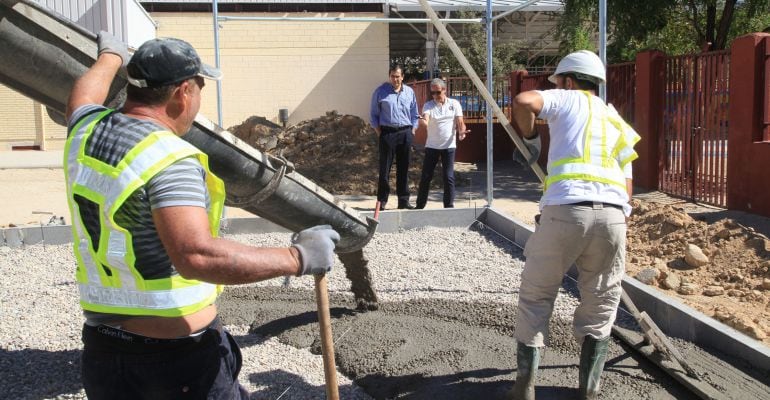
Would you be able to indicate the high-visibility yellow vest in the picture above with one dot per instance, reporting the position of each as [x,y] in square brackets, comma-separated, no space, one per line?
[123,290]
[605,153]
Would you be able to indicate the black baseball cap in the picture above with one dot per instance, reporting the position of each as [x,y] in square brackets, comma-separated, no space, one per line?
[167,61]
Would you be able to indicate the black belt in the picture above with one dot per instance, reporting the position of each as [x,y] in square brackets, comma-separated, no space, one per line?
[390,129]
[594,204]
[132,342]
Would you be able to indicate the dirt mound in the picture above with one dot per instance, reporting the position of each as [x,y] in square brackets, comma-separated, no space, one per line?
[721,269]
[338,152]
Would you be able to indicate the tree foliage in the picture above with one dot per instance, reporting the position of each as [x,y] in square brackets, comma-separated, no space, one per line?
[472,40]
[673,26]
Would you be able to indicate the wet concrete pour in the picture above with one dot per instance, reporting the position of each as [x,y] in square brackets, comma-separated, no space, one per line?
[436,349]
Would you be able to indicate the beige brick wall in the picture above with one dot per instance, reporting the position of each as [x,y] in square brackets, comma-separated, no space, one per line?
[26,123]
[307,67]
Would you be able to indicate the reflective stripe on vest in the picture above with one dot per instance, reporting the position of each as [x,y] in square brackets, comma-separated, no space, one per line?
[599,162]
[124,290]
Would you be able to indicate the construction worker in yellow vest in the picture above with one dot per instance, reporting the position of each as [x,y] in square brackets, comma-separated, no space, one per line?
[145,211]
[583,217]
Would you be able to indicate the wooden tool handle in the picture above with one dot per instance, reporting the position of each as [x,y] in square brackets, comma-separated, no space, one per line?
[327,342]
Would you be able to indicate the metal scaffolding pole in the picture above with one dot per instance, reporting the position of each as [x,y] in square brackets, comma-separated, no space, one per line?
[216,60]
[490,130]
[354,19]
[603,43]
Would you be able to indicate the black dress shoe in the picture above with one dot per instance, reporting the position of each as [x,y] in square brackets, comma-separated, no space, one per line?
[382,207]
[405,206]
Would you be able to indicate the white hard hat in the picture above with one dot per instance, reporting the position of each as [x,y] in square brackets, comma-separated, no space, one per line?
[583,62]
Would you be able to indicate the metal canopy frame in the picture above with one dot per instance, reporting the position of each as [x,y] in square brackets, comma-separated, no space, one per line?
[505,7]
[478,5]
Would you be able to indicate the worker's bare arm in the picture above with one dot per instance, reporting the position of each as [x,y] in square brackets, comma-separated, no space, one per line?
[630,187]
[93,87]
[184,231]
[526,107]
[424,119]
[462,130]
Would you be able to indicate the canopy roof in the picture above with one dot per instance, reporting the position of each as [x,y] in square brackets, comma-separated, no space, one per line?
[400,5]
[475,5]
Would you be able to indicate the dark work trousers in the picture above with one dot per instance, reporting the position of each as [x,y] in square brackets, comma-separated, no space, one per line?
[118,365]
[432,157]
[394,143]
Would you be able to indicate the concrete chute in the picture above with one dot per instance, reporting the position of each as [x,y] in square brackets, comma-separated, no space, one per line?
[45,53]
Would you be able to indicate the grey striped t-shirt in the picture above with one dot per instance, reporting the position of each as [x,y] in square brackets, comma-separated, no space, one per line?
[180,184]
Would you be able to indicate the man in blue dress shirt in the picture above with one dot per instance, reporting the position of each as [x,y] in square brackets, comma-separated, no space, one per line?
[394,117]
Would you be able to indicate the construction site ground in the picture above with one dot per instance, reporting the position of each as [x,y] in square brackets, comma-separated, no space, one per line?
[733,286]
[727,277]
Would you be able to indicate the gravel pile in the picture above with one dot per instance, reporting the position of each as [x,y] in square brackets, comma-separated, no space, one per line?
[40,319]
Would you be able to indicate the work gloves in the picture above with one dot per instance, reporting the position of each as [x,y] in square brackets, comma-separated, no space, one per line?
[316,249]
[106,43]
[533,145]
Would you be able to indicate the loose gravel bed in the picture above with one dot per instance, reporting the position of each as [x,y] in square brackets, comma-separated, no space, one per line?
[40,318]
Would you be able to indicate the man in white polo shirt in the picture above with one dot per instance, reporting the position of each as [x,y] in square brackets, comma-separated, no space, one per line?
[443,116]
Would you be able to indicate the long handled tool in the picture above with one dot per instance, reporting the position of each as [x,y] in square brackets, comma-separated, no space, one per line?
[655,336]
[327,342]
[651,332]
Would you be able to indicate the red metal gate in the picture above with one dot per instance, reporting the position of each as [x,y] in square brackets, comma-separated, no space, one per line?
[695,127]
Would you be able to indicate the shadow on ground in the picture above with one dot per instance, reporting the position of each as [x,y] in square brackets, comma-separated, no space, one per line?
[435,348]
[39,373]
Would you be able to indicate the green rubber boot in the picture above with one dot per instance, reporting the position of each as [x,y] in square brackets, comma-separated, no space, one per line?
[527,360]
[592,357]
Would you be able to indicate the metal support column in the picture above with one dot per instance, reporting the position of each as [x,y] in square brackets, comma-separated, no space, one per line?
[490,147]
[603,43]
[215,9]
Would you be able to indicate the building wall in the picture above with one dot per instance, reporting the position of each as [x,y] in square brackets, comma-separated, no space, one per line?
[26,123]
[126,19]
[307,67]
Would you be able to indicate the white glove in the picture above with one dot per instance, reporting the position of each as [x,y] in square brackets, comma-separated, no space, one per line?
[316,248]
[106,43]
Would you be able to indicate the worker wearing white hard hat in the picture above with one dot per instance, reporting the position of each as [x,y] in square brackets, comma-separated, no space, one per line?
[583,217]
[584,64]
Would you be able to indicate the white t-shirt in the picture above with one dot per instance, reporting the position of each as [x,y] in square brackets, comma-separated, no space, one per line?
[566,112]
[441,125]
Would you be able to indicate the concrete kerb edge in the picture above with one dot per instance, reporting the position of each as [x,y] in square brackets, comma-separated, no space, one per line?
[679,320]
[672,316]
[389,221]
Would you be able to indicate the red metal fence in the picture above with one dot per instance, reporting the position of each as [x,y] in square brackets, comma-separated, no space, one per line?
[766,110]
[695,116]
[463,90]
[536,82]
[689,111]
[621,89]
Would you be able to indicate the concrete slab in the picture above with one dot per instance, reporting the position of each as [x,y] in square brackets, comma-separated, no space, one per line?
[513,229]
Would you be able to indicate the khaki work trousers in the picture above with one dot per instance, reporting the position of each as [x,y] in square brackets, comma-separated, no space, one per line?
[593,238]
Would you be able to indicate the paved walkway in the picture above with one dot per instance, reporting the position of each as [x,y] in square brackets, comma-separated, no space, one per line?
[32,189]
[31,159]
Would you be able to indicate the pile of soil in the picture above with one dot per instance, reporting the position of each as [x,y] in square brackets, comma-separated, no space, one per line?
[337,152]
[721,269]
